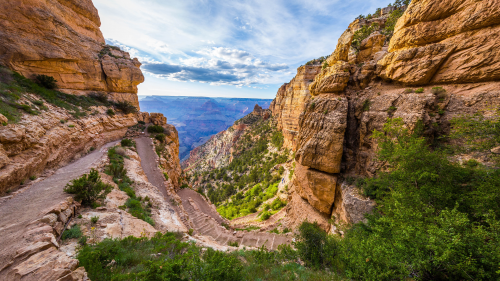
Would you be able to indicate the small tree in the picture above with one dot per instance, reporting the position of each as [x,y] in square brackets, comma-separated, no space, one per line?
[88,188]
[46,81]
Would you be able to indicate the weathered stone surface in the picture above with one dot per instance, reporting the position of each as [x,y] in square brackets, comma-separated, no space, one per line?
[299,210]
[290,102]
[332,79]
[61,38]
[321,134]
[3,119]
[349,206]
[318,188]
[370,46]
[445,42]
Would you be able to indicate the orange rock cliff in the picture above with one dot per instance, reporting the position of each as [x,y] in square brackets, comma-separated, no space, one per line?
[62,39]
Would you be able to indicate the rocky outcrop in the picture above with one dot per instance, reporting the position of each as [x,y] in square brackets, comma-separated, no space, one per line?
[52,139]
[446,42]
[291,101]
[169,157]
[61,38]
[321,134]
[154,118]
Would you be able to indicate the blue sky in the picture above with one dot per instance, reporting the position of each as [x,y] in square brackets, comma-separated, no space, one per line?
[225,48]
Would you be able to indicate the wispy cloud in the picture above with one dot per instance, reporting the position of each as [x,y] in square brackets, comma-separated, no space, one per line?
[241,43]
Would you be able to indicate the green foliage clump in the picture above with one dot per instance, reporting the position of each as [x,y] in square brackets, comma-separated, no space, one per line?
[125,107]
[94,219]
[46,81]
[419,90]
[163,257]
[155,129]
[315,247]
[88,188]
[73,232]
[366,105]
[110,112]
[127,142]
[160,137]
[100,97]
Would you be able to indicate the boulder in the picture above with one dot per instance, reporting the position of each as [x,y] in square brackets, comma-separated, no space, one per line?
[318,188]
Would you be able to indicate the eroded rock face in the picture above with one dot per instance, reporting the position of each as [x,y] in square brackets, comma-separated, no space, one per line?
[371,45]
[290,102]
[318,188]
[40,142]
[349,206]
[321,134]
[445,42]
[61,38]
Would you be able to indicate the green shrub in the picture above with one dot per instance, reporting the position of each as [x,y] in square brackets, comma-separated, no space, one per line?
[165,175]
[265,215]
[92,148]
[73,232]
[127,142]
[141,122]
[82,241]
[155,129]
[32,178]
[125,107]
[419,90]
[366,105]
[233,244]
[94,219]
[88,188]
[45,81]
[315,247]
[100,97]
[110,112]
[160,137]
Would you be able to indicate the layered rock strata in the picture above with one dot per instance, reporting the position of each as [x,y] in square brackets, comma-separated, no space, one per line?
[446,42]
[62,39]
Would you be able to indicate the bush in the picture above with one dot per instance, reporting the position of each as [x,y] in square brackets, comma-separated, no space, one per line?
[100,97]
[110,112]
[366,105]
[233,244]
[155,129]
[127,142]
[125,107]
[419,90]
[315,247]
[265,215]
[141,122]
[73,232]
[361,34]
[45,81]
[94,219]
[88,188]
[160,137]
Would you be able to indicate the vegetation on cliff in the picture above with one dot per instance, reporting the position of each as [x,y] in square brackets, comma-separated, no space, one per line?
[252,177]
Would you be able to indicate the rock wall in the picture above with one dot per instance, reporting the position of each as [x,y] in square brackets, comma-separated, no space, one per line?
[435,44]
[448,41]
[291,101]
[62,39]
[52,139]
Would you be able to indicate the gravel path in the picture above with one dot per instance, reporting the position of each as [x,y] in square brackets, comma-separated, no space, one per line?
[26,207]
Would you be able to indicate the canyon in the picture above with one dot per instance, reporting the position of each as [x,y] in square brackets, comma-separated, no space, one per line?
[252,171]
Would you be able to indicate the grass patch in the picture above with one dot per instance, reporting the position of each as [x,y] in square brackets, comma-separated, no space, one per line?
[73,232]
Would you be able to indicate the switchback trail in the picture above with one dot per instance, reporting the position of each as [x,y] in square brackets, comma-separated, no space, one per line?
[18,212]
[204,217]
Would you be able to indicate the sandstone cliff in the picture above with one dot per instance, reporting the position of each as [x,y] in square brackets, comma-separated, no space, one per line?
[61,38]
[360,86]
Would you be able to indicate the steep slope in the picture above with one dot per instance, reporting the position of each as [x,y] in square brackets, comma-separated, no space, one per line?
[61,38]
